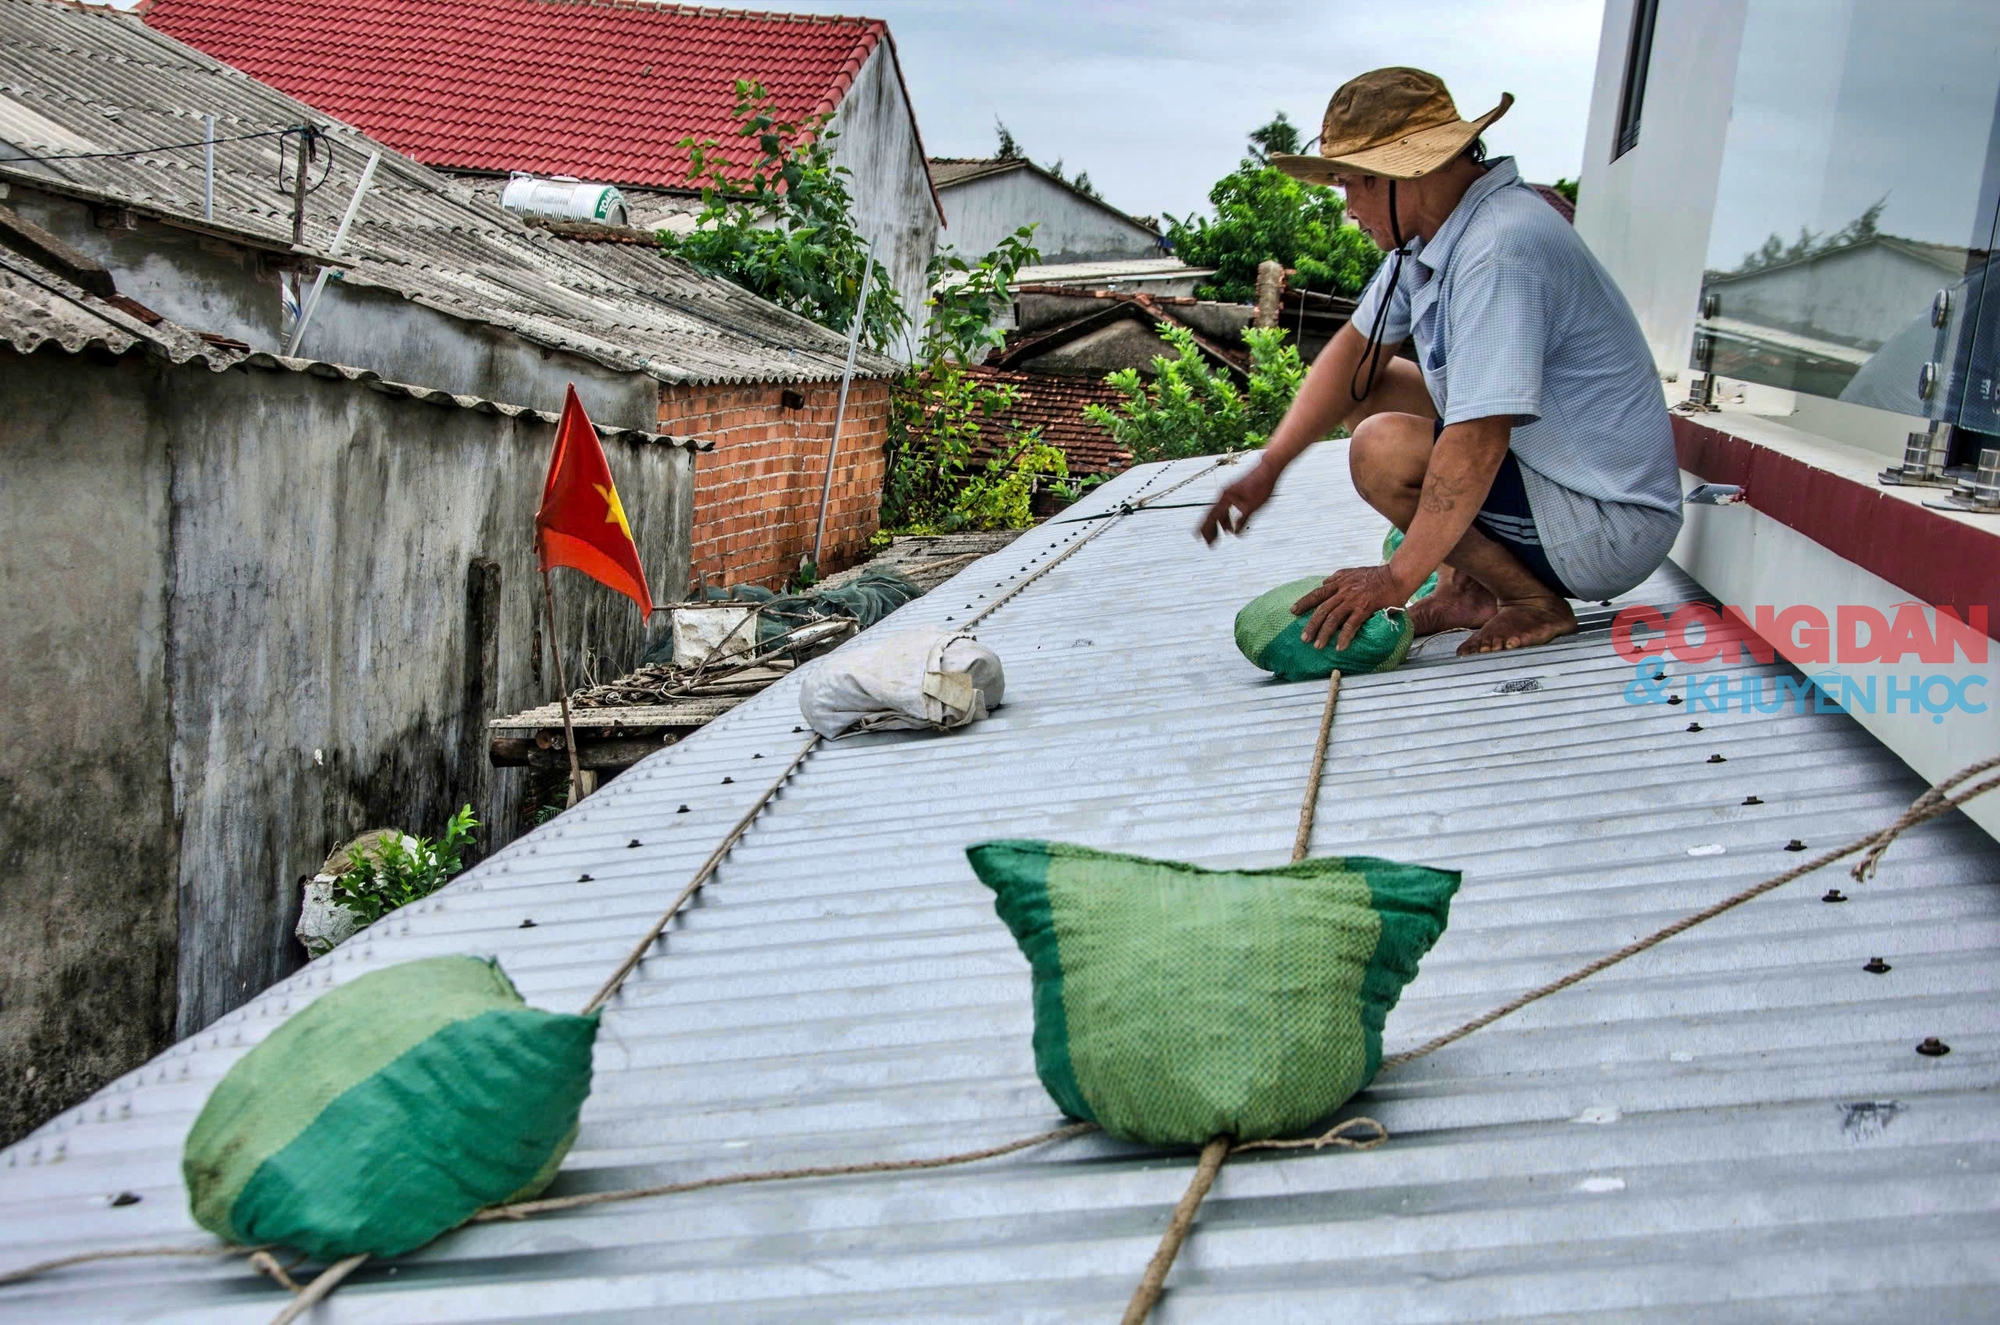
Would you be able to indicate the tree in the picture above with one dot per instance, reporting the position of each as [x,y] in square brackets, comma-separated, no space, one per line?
[1774,251]
[788,232]
[1264,215]
[1567,188]
[1278,136]
[1009,150]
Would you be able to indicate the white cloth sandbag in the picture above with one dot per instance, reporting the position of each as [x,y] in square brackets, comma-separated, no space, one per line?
[904,679]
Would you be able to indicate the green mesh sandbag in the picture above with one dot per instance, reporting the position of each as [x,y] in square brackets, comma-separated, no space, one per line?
[1390,543]
[1174,1004]
[1274,639]
[389,1111]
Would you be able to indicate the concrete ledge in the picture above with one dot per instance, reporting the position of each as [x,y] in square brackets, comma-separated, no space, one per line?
[1818,532]
[1827,491]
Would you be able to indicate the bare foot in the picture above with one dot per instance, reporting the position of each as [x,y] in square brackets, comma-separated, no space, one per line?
[1522,624]
[1459,603]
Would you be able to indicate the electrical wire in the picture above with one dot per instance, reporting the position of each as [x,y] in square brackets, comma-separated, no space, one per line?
[161,147]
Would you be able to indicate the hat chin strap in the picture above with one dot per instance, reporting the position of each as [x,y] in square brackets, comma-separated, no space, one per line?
[1371,354]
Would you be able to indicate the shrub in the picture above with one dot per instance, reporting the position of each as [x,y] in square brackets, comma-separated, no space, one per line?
[1190,409]
[400,870]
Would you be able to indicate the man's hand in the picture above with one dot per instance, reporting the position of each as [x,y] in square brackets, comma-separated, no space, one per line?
[1241,499]
[1345,600]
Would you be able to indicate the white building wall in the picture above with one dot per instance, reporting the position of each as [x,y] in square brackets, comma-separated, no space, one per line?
[1646,215]
[1069,228]
[891,181]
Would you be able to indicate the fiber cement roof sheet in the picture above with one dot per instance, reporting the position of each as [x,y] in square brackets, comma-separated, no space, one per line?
[1733,1126]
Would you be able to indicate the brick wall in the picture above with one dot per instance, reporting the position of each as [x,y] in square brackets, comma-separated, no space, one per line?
[756,495]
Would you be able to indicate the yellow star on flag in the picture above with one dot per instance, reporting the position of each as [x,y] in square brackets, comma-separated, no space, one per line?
[614,512]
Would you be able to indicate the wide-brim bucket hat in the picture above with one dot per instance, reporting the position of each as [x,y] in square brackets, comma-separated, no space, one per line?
[1396,123]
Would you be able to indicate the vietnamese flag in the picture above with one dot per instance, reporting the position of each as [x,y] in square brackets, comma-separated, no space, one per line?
[582,523]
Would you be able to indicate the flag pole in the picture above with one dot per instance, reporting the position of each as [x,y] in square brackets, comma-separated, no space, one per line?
[562,688]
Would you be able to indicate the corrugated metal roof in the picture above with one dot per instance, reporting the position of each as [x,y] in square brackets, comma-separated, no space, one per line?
[119,85]
[38,307]
[1733,1126]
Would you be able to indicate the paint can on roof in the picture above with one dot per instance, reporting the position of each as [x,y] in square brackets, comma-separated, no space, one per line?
[564,197]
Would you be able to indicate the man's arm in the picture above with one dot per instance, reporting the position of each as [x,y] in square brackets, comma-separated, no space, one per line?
[1460,474]
[1323,403]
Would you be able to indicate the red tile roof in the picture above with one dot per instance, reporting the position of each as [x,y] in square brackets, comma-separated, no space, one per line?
[1055,405]
[601,89]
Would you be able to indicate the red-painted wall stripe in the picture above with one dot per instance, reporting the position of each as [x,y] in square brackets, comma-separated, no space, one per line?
[1943,562]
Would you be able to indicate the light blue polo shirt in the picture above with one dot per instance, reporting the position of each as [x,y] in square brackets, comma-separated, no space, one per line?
[1511,314]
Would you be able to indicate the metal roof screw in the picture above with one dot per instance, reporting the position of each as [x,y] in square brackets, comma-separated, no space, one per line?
[527,924]
[1694,726]
[1876,966]
[1795,845]
[727,781]
[633,843]
[1933,1047]
[800,729]
[1753,800]
[583,878]
[1834,895]
[126,1198]
[1673,699]
[682,810]
[1717,759]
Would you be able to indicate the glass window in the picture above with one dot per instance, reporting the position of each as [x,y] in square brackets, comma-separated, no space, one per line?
[1638,59]
[1855,210]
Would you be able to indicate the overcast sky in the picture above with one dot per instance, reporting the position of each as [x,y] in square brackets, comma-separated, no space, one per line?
[1154,98]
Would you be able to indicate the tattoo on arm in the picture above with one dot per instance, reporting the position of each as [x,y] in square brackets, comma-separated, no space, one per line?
[1442,491]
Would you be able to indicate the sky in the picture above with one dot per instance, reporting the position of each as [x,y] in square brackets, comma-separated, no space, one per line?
[1155,99]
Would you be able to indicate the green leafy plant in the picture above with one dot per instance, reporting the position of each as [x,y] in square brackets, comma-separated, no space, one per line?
[1190,409]
[939,410]
[399,870]
[1264,215]
[968,296]
[787,232]
[1567,188]
[1000,496]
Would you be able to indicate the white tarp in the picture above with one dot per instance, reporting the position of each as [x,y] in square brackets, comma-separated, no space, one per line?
[936,678]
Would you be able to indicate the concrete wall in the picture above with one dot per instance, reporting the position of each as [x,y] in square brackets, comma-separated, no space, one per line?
[982,212]
[891,183]
[259,585]
[1646,215]
[757,494]
[88,862]
[214,285]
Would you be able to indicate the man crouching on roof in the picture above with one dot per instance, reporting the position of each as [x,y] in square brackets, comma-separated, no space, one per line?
[1527,451]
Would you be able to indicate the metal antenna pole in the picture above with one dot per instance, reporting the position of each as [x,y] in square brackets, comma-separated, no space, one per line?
[299,186]
[311,301]
[840,412]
